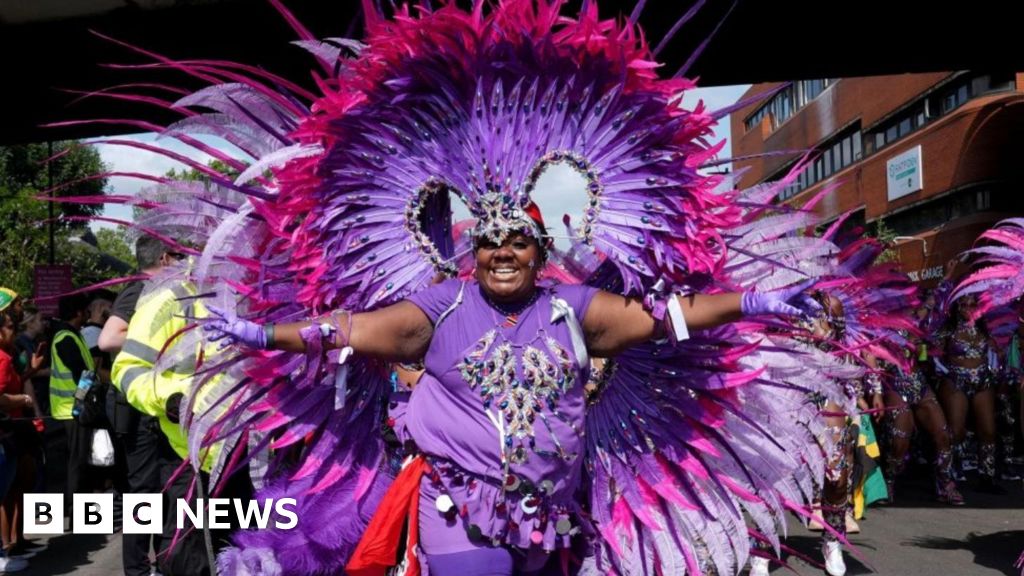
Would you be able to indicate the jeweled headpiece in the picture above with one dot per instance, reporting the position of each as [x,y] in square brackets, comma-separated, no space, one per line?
[499,215]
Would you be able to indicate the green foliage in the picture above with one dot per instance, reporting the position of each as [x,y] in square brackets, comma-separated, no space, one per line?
[115,242]
[24,231]
[87,267]
[23,241]
[887,236]
[23,168]
[193,175]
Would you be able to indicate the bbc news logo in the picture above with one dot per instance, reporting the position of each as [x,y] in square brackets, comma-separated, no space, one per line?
[144,513]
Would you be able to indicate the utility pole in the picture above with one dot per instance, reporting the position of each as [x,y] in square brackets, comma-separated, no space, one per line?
[49,184]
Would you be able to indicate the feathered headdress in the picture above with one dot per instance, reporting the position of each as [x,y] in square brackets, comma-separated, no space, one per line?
[999,259]
[342,199]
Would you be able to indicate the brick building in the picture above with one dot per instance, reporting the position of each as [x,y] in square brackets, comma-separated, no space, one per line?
[938,157]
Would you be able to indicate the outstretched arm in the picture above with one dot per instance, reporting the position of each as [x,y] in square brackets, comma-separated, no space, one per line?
[399,333]
[614,323]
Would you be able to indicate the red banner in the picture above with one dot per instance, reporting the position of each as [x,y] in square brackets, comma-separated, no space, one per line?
[51,280]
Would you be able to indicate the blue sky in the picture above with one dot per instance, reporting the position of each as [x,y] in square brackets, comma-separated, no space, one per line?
[559,191]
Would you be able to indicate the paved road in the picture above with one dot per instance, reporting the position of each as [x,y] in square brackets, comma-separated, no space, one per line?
[918,537]
[915,537]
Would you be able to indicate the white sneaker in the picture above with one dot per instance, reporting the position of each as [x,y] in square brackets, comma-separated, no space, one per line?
[833,553]
[8,565]
[758,566]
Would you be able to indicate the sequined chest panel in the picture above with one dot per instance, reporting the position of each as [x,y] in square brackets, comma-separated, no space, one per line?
[520,387]
[966,342]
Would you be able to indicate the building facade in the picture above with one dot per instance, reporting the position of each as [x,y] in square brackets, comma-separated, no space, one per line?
[937,157]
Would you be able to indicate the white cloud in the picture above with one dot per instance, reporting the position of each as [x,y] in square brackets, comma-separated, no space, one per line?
[561,190]
[122,158]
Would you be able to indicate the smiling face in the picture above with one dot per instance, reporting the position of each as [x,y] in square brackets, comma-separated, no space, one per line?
[508,272]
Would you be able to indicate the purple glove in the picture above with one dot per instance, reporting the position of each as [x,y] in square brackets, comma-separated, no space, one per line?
[778,301]
[234,330]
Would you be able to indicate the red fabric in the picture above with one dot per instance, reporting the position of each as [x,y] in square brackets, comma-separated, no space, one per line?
[379,545]
[533,211]
[10,382]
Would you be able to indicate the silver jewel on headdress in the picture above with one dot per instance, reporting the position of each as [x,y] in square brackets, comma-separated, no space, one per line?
[413,211]
[498,215]
[594,189]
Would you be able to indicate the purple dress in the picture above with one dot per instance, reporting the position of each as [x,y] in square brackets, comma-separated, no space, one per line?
[499,415]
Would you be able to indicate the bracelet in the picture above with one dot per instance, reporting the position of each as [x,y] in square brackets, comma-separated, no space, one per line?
[664,307]
[343,335]
[268,333]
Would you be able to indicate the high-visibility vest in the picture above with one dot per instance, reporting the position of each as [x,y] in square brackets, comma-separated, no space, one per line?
[159,319]
[62,381]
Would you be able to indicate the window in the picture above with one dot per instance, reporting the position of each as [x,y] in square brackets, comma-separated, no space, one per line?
[756,118]
[941,210]
[947,98]
[980,84]
[832,156]
[786,103]
[949,102]
[813,88]
[904,127]
[785,106]
[1002,81]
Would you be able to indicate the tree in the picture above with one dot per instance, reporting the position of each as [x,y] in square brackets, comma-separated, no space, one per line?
[23,241]
[23,168]
[24,233]
[115,242]
[193,175]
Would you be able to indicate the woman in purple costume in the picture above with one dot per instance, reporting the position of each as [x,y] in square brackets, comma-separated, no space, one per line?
[343,202]
[910,401]
[967,385]
[499,412]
